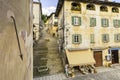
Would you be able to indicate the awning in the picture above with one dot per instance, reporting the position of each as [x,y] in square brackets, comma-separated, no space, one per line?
[98,48]
[77,49]
[76,58]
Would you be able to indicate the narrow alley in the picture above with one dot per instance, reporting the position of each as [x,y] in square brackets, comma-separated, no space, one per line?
[46,56]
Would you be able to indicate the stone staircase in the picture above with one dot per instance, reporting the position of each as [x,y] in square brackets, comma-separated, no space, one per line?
[40,61]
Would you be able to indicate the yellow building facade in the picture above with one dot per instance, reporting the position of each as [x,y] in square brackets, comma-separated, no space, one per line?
[37,12]
[52,24]
[89,32]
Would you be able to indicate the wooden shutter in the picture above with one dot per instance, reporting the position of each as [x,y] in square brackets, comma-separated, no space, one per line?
[79,20]
[72,20]
[92,38]
[115,37]
[80,38]
[92,22]
[105,38]
[73,39]
[114,23]
[107,23]
[102,22]
[107,35]
[118,23]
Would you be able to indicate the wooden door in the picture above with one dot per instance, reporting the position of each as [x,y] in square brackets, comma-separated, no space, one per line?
[115,58]
[98,58]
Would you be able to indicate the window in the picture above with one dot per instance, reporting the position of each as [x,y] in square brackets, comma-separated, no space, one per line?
[115,10]
[105,38]
[92,38]
[76,38]
[104,9]
[116,23]
[76,20]
[117,37]
[75,6]
[92,22]
[91,7]
[105,22]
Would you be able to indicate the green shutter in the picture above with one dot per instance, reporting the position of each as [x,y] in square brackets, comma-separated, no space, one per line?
[102,37]
[114,23]
[72,20]
[79,20]
[102,22]
[118,23]
[115,37]
[107,23]
[105,38]
[92,38]
[91,23]
[118,37]
[80,38]
[107,35]
[94,21]
[73,39]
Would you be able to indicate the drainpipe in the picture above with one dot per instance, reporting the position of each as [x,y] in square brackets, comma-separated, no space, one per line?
[21,55]
[63,26]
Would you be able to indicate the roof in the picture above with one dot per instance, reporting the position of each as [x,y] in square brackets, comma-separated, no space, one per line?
[50,15]
[108,3]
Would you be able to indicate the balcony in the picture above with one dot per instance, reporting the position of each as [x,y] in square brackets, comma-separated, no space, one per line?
[76,8]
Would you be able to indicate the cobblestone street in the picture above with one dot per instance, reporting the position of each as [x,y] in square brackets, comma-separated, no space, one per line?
[46,55]
[104,73]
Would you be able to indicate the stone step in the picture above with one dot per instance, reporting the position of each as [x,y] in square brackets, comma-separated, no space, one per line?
[41,51]
[39,74]
[42,69]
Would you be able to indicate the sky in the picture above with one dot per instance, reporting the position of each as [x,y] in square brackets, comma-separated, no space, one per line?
[49,6]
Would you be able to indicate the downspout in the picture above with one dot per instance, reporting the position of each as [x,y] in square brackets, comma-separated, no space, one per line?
[21,55]
[63,26]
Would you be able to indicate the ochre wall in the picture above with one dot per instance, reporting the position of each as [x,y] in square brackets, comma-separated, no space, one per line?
[11,65]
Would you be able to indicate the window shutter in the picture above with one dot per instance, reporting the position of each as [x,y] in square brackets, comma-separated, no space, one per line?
[94,21]
[102,37]
[80,38]
[72,20]
[73,39]
[115,37]
[79,20]
[92,38]
[107,23]
[114,23]
[107,36]
[102,22]
[118,23]
[118,37]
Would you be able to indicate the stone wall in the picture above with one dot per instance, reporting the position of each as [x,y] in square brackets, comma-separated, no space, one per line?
[12,67]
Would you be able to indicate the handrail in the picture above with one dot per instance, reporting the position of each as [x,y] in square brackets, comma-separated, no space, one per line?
[21,56]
